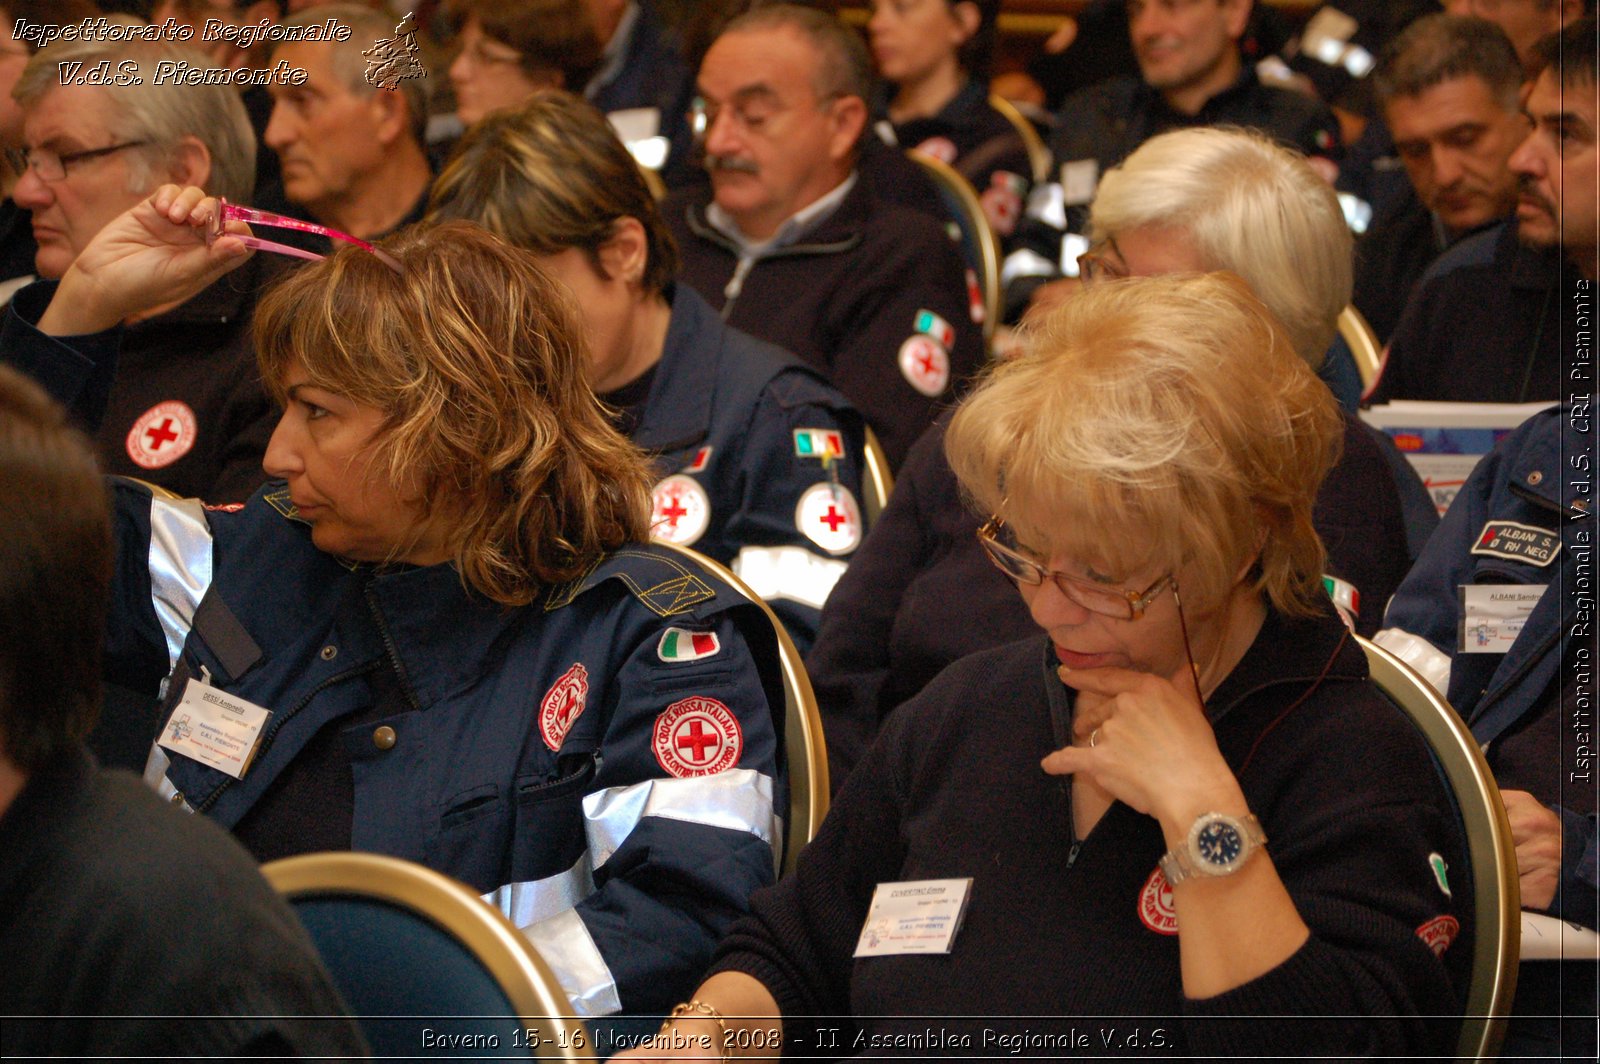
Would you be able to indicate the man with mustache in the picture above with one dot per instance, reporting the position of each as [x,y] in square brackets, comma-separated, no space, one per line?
[1191,74]
[1495,318]
[794,248]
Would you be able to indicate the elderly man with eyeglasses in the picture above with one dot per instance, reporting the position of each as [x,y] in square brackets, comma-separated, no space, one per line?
[185,410]
[796,248]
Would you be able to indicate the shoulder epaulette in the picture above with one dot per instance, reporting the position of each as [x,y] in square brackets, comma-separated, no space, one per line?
[667,584]
[279,500]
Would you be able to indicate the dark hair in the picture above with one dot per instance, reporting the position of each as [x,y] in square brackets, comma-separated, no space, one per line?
[1439,48]
[1571,51]
[548,34]
[551,175]
[55,577]
[843,66]
[976,54]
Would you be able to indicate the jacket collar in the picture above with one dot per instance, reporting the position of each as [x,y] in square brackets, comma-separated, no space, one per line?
[840,231]
[1532,269]
[678,409]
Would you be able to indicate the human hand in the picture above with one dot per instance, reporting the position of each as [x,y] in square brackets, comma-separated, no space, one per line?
[152,254]
[1536,833]
[1153,748]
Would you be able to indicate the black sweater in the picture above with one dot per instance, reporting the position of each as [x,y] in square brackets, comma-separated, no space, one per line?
[953,788]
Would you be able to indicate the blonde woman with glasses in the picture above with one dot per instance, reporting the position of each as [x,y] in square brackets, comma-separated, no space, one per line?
[1182,800]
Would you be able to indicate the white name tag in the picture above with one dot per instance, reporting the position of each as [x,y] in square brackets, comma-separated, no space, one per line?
[1492,615]
[215,729]
[1079,180]
[922,916]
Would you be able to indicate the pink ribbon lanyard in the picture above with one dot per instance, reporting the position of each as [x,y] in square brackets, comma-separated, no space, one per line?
[228,212]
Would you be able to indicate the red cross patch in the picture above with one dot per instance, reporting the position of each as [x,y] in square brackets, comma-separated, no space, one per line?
[697,736]
[1438,933]
[1002,201]
[162,435]
[1155,905]
[562,706]
[829,516]
[680,510]
[925,364]
[698,463]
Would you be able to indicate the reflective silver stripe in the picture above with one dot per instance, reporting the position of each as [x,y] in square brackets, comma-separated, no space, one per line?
[1025,263]
[155,777]
[540,899]
[739,799]
[1431,663]
[566,946]
[1357,212]
[788,573]
[1047,203]
[180,567]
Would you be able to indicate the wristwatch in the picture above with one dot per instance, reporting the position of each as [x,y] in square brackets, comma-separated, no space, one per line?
[1218,845]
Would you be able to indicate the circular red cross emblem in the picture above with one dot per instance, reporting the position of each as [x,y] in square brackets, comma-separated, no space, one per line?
[162,435]
[562,705]
[698,736]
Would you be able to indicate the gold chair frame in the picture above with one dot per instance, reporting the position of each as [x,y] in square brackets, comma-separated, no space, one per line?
[1497,916]
[1038,153]
[973,219]
[877,482]
[511,960]
[1364,346]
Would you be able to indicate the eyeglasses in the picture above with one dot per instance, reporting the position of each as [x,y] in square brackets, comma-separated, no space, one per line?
[229,212]
[751,115]
[481,56]
[52,166]
[1095,265]
[1107,601]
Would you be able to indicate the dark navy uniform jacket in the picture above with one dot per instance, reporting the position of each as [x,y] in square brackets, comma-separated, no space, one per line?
[1538,483]
[743,420]
[847,298]
[1102,125]
[612,794]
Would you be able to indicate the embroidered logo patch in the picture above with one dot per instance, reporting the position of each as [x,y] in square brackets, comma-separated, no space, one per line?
[925,364]
[1518,543]
[818,443]
[225,507]
[162,435]
[680,644]
[697,736]
[1002,201]
[1156,910]
[827,514]
[930,324]
[701,458]
[680,510]
[562,706]
[1438,933]
[975,308]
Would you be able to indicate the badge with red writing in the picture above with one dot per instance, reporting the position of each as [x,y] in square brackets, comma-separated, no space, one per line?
[680,511]
[697,736]
[162,435]
[1155,905]
[1438,933]
[562,706]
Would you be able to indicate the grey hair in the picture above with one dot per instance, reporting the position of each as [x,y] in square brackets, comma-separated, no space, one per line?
[367,27]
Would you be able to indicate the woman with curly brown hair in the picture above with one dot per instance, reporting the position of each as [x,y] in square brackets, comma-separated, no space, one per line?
[439,626]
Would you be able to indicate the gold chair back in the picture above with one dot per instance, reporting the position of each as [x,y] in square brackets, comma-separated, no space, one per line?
[1038,154]
[1363,344]
[877,482]
[1497,917]
[980,248]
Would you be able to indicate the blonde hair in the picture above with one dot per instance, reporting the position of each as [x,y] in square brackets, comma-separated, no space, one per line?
[1157,423]
[476,361]
[1251,207]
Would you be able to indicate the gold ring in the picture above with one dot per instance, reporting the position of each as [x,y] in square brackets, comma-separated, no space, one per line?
[1093,736]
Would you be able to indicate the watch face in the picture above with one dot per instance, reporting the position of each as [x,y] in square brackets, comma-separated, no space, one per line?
[1219,843]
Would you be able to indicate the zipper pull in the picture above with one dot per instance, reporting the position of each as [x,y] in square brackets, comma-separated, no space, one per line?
[1072,854]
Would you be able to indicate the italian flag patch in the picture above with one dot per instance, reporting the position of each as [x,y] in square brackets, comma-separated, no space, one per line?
[678,644]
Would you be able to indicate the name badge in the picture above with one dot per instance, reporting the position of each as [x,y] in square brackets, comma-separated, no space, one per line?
[921,916]
[1492,615]
[1079,180]
[215,729]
